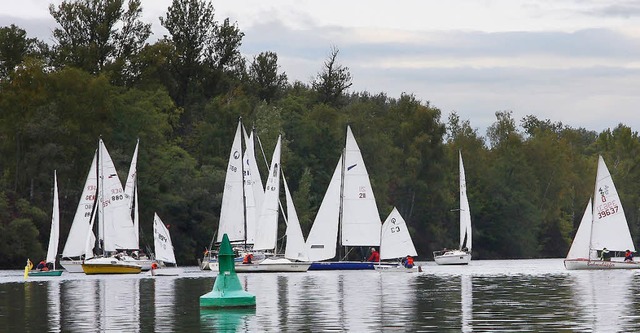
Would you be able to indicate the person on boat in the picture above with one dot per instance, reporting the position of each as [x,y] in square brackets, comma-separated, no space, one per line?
[407,262]
[375,256]
[42,266]
[628,256]
[604,254]
[247,258]
[154,265]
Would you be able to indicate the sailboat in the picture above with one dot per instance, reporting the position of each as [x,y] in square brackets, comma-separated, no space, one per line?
[135,255]
[241,199]
[462,255]
[603,228]
[163,250]
[74,248]
[348,215]
[54,236]
[396,243]
[266,235]
[114,227]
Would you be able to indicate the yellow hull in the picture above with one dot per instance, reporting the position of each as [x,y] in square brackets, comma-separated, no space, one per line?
[110,269]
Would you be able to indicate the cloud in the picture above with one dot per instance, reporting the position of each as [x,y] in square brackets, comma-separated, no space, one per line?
[574,77]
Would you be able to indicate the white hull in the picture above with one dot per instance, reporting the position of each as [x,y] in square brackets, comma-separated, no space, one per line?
[586,264]
[145,264]
[268,266]
[397,269]
[72,266]
[453,258]
[166,271]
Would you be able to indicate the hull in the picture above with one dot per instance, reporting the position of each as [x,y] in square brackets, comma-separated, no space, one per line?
[109,266]
[46,273]
[204,264]
[586,264]
[165,272]
[72,266]
[345,265]
[145,264]
[397,269]
[267,267]
[453,258]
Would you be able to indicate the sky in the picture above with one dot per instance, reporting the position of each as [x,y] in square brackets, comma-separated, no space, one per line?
[570,61]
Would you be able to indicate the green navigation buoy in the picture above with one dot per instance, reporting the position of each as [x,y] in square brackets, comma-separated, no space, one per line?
[227,290]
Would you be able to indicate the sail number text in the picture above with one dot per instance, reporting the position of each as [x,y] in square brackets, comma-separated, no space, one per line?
[607,209]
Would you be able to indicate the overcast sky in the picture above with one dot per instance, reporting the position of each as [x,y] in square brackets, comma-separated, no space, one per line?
[574,61]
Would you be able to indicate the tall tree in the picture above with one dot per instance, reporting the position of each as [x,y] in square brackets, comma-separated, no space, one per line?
[191,28]
[265,80]
[96,35]
[15,47]
[333,81]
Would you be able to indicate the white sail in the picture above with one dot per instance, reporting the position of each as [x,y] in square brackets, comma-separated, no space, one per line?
[232,210]
[360,217]
[580,246]
[267,228]
[162,241]
[322,239]
[115,227]
[54,235]
[395,241]
[80,227]
[295,248]
[465,212]
[131,192]
[610,229]
[253,190]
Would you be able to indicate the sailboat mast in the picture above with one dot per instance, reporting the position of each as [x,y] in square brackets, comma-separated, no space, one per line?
[342,172]
[244,194]
[100,198]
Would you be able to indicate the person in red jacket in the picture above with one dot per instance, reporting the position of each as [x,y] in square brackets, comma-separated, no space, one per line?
[375,256]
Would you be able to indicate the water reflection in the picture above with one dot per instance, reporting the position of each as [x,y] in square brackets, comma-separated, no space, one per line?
[226,320]
[466,302]
[601,299]
[482,297]
[53,297]
[164,300]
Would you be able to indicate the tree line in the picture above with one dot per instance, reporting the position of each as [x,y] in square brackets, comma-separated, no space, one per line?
[528,180]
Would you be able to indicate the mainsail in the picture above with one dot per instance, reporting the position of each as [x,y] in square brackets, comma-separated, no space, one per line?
[610,229]
[54,235]
[267,228]
[465,212]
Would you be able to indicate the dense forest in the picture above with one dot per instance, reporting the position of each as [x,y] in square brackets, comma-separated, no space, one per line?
[528,179]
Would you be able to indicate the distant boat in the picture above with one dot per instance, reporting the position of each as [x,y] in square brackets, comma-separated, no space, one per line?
[135,255]
[348,215]
[396,243]
[266,235]
[603,230]
[114,223]
[163,250]
[461,255]
[242,198]
[54,236]
[74,247]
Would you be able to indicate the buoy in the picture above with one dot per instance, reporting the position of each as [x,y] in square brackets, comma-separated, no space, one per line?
[227,290]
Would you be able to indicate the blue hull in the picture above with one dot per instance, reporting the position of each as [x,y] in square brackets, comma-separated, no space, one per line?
[340,265]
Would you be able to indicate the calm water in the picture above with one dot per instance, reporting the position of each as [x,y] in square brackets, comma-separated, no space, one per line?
[507,295]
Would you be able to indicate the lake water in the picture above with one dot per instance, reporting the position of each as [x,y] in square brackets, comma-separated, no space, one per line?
[500,295]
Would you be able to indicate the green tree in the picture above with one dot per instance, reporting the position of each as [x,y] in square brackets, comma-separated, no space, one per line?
[264,76]
[99,35]
[333,81]
[15,47]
